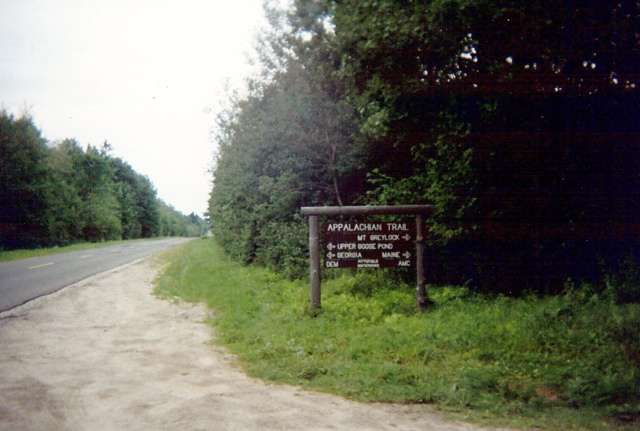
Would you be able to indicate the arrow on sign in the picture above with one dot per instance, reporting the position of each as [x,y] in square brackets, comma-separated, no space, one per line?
[407,255]
[407,237]
[331,255]
[331,246]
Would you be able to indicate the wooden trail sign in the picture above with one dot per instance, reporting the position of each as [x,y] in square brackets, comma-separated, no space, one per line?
[369,245]
[389,236]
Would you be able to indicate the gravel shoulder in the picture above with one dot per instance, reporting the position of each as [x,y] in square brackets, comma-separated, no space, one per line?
[105,354]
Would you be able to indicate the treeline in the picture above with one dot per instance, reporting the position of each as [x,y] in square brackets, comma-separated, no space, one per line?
[519,122]
[57,194]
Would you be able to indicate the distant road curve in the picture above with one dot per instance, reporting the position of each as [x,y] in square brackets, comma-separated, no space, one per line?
[27,279]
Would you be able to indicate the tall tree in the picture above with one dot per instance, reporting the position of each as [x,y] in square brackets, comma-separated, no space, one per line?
[288,144]
[57,194]
[65,206]
[502,115]
[518,121]
[148,205]
[126,182]
[23,176]
[100,210]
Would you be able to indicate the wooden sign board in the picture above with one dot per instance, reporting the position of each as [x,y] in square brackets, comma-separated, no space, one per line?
[369,245]
[367,230]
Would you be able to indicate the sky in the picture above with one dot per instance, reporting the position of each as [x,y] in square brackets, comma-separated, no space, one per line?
[147,76]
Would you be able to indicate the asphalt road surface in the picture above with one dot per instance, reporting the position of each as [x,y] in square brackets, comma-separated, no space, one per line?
[27,279]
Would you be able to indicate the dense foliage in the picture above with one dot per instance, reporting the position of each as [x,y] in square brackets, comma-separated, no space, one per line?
[519,121]
[62,193]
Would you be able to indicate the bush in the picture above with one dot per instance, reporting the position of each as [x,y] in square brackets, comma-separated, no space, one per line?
[624,285]
[539,359]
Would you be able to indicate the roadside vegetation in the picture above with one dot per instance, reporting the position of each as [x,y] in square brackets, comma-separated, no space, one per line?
[517,121]
[563,362]
[59,193]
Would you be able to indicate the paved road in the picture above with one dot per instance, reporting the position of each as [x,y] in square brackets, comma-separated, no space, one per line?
[27,279]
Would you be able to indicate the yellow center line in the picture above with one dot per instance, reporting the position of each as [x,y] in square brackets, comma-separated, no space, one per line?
[40,266]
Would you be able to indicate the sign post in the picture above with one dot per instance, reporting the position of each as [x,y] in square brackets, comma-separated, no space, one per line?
[421,293]
[314,256]
[367,244]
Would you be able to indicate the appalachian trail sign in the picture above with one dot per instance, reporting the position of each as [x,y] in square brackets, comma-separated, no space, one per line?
[369,245]
[363,244]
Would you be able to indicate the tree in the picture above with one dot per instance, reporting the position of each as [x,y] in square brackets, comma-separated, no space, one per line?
[500,114]
[100,211]
[65,203]
[174,223]
[148,204]
[286,145]
[57,194]
[126,183]
[23,179]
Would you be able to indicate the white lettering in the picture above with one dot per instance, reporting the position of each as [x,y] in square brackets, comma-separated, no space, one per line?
[384,237]
[397,226]
[349,255]
[404,263]
[391,254]
[346,246]
[383,246]
[354,227]
[366,246]
[331,264]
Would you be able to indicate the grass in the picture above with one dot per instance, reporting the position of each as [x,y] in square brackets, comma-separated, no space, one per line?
[569,362]
[7,256]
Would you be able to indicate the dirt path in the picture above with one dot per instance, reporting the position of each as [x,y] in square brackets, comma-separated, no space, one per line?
[105,354]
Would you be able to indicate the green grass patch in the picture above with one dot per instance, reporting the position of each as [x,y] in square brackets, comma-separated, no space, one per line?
[7,256]
[565,362]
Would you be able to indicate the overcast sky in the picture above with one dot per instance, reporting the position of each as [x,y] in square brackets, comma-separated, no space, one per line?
[140,74]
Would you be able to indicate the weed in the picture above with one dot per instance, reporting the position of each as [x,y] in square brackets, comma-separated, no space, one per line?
[563,362]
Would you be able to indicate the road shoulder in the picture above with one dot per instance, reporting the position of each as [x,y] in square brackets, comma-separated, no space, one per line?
[106,354]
